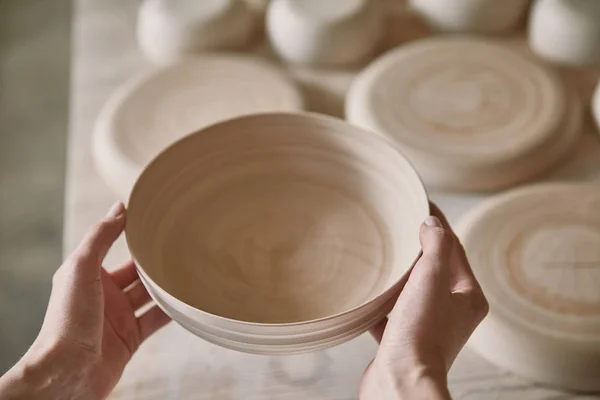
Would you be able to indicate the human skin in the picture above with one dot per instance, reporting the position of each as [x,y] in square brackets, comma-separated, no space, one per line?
[91,330]
[435,314]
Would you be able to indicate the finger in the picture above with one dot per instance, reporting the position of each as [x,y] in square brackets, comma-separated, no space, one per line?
[151,321]
[99,239]
[462,276]
[378,329]
[432,269]
[435,211]
[125,275]
[138,295]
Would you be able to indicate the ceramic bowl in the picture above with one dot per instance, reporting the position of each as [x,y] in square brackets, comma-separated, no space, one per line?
[324,33]
[566,31]
[171,30]
[535,251]
[471,16]
[276,233]
[596,106]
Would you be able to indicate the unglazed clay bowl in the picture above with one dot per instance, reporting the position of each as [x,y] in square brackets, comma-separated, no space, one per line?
[276,233]
[535,251]
[472,16]
[596,106]
[324,33]
[169,30]
[566,31]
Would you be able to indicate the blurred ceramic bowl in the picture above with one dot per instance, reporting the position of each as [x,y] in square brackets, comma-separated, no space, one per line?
[169,30]
[325,33]
[276,233]
[596,106]
[471,16]
[566,31]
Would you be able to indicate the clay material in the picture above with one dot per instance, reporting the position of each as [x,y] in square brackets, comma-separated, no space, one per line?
[596,106]
[171,30]
[536,254]
[276,233]
[471,16]
[149,113]
[566,31]
[471,114]
[325,33]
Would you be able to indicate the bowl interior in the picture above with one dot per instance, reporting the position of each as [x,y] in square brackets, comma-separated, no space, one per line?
[277,218]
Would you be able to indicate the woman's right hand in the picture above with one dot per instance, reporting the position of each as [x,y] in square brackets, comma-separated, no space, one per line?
[435,314]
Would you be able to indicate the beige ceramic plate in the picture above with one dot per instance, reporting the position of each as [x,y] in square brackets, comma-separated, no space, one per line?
[536,253]
[276,219]
[596,106]
[151,112]
[471,114]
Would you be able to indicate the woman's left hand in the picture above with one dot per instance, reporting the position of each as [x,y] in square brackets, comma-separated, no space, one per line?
[90,331]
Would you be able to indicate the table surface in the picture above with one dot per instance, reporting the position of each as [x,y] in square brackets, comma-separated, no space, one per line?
[174,364]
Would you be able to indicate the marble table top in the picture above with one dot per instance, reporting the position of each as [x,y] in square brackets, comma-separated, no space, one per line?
[174,364]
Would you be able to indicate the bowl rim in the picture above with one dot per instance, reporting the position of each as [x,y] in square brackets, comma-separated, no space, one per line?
[308,115]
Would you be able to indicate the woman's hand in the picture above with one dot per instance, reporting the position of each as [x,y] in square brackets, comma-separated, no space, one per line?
[436,312]
[90,330]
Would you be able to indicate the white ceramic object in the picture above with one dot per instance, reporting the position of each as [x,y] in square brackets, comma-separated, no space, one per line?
[325,33]
[276,233]
[596,106]
[169,30]
[149,113]
[536,254]
[471,114]
[472,16]
[566,31]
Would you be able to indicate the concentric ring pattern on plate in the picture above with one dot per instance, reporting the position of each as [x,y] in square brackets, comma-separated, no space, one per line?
[276,219]
[462,104]
[536,253]
[150,113]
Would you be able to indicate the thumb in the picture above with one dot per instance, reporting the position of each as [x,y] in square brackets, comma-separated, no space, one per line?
[432,271]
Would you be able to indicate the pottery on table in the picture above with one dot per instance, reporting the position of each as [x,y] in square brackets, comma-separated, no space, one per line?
[596,106]
[536,253]
[153,111]
[566,31]
[170,30]
[470,113]
[471,16]
[276,233]
[325,33]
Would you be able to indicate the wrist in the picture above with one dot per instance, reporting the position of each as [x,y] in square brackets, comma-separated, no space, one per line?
[43,373]
[415,382]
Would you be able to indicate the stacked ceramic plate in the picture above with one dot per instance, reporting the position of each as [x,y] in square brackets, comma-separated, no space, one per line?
[470,113]
[276,233]
[536,253]
[596,106]
[154,110]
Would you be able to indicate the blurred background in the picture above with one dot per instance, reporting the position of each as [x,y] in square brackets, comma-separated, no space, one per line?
[34,96]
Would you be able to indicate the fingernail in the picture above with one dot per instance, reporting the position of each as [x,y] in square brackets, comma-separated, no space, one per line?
[433,221]
[116,210]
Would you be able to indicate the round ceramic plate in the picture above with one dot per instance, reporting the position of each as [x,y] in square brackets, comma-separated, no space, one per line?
[461,106]
[276,219]
[596,106]
[536,253]
[150,113]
